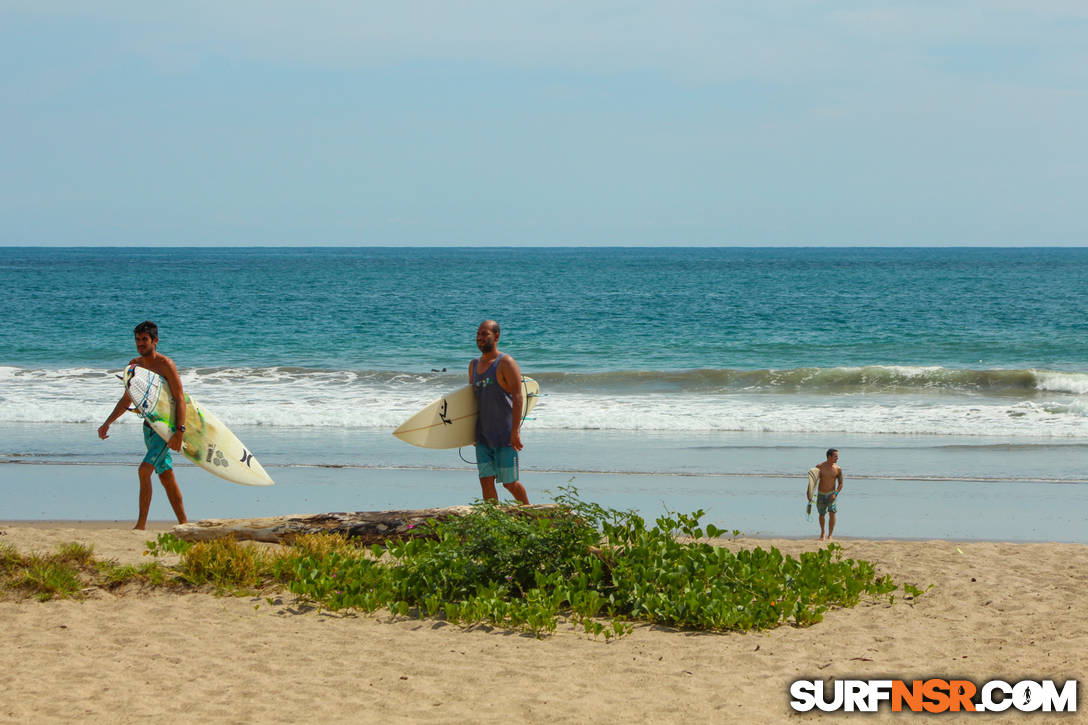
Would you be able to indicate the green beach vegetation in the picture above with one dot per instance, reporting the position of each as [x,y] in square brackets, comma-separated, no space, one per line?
[602,569]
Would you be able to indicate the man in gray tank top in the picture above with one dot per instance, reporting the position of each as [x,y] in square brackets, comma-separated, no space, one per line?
[496,380]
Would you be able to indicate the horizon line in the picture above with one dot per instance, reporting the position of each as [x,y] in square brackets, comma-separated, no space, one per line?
[558,245]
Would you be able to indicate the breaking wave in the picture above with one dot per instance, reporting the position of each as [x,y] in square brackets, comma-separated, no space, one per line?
[873,399]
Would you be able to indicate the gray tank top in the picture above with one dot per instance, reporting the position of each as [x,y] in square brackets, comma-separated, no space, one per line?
[496,416]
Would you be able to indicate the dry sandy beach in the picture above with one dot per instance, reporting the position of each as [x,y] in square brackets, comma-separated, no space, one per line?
[996,610]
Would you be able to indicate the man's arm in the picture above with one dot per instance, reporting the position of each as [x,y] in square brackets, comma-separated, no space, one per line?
[118,411]
[174,380]
[838,490]
[509,375]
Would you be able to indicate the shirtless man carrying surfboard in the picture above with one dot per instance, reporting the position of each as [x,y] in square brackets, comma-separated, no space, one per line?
[158,458]
[827,493]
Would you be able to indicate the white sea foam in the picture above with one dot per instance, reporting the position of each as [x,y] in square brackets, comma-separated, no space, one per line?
[297,398]
[785,414]
[1076,383]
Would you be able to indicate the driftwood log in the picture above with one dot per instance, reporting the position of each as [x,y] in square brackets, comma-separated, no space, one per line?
[370,527]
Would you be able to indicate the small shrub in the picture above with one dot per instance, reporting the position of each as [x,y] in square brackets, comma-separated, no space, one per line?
[320,545]
[75,554]
[113,575]
[9,559]
[47,578]
[226,564]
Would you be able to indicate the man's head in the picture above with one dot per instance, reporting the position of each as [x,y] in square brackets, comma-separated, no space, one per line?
[832,454]
[487,336]
[149,327]
[147,337]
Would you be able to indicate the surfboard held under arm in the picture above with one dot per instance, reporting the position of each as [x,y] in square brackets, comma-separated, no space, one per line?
[207,441]
[450,421]
[813,482]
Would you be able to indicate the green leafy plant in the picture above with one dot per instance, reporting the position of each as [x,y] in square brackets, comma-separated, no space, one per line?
[523,569]
[167,543]
[913,591]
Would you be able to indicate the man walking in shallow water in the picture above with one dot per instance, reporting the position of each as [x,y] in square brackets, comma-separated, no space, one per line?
[827,493]
[496,380]
[158,458]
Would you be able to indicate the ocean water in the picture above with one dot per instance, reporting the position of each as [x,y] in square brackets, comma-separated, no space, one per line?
[943,367]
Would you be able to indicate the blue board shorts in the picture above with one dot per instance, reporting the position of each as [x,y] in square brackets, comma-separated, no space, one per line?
[502,463]
[158,454]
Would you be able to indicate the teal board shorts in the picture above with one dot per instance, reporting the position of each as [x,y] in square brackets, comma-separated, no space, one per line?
[502,463]
[158,455]
[827,502]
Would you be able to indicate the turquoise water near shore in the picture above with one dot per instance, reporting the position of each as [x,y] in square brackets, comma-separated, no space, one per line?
[771,507]
[693,378]
[896,487]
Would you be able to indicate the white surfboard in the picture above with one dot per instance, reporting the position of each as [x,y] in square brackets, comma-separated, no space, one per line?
[207,441]
[813,482]
[450,421]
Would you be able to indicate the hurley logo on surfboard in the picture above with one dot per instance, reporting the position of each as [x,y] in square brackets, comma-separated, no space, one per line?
[442,412]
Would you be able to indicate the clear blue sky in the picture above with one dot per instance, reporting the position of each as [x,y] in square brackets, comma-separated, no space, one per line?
[559,122]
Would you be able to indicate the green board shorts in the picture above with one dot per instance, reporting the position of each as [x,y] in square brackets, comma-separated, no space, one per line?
[502,463]
[827,502]
[158,454]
